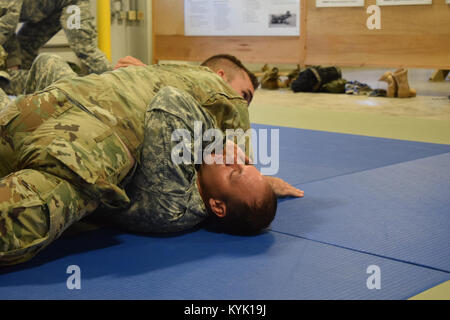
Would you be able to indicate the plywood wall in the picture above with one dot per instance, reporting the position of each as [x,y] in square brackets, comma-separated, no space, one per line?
[411,36]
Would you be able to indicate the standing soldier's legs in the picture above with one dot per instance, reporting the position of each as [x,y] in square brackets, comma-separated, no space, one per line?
[35,208]
[83,38]
[33,36]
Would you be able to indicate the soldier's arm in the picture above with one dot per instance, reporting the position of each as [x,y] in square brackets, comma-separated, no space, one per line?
[10,19]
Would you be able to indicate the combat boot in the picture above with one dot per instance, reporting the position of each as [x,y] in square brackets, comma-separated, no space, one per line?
[403,91]
[392,84]
[271,80]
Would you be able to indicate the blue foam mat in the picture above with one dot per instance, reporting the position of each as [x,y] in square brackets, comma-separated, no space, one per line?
[204,265]
[279,264]
[400,211]
[307,155]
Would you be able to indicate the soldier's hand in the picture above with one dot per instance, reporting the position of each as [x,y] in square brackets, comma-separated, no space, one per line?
[282,189]
[129,61]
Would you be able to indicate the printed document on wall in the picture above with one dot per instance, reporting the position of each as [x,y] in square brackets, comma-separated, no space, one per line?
[403,2]
[242,17]
[339,3]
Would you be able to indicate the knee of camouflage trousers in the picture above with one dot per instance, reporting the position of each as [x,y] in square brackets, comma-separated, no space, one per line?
[46,69]
[35,208]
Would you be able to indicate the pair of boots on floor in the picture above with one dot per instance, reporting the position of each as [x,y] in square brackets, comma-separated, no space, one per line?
[271,78]
[398,85]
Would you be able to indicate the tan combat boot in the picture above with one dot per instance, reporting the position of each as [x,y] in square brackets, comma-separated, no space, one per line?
[392,84]
[404,91]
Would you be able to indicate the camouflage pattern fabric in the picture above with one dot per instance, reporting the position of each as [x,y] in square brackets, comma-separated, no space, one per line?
[45,70]
[4,77]
[42,20]
[120,98]
[164,195]
[50,137]
[68,147]
[4,99]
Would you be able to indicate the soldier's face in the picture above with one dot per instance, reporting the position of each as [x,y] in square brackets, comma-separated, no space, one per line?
[222,181]
[242,84]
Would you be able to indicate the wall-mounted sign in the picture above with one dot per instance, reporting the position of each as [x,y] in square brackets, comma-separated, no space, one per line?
[339,3]
[403,2]
[242,17]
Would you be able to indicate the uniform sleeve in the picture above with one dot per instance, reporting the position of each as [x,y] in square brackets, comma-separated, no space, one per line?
[164,192]
[9,19]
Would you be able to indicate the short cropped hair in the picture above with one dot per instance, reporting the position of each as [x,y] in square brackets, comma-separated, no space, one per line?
[230,64]
[246,219]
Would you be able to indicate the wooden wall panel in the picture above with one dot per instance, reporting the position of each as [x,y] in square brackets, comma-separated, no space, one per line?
[248,49]
[171,44]
[411,36]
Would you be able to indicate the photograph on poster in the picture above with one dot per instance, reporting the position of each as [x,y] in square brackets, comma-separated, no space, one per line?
[403,2]
[242,17]
[339,3]
[284,20]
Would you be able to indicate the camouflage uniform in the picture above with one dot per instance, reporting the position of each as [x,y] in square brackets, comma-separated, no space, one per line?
[46,69]
[4,77]
[64,150]
[168,202]
[42,20]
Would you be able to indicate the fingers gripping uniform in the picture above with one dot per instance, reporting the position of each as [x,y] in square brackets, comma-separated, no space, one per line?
[61,158]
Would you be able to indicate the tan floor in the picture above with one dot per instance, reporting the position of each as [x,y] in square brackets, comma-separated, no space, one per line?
[425,118]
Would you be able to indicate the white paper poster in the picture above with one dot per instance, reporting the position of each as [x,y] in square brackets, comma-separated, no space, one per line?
[339,3]
[242,17]
[402,2]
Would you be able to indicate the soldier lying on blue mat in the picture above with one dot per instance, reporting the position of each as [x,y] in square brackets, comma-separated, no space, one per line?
[71,147]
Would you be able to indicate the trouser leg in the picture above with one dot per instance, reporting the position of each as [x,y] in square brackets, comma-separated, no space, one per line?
[46,69]
[83,39]
[33,36]
[35,208]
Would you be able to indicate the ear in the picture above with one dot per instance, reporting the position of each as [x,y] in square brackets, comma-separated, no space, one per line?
[222,74]
[218,207]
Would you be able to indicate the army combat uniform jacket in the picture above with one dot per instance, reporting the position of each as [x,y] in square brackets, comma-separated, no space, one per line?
[65,150]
